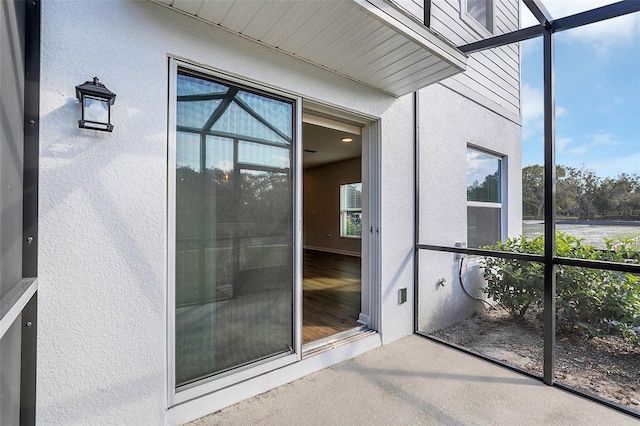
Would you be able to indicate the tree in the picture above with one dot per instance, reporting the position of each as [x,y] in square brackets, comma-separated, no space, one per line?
[581,193]
[533,191]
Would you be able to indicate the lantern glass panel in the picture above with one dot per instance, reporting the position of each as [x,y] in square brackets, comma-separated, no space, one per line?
[96,110]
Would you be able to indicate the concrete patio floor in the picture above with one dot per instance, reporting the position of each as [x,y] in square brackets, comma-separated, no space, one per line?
[416,381]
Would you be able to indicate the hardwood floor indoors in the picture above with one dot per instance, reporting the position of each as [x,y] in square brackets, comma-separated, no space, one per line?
[331,294]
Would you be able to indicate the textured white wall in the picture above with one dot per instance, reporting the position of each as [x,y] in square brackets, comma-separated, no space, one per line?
[102,336]
[448,123]
[396,230]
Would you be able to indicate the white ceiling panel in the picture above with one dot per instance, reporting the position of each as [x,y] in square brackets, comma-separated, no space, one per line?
[292,22]
[363,48]
[189,6]
[242,14]
[377,53]
[430,73]
[264,21]
[405,76]
[401,69]
[360,33]
[214,11]
[370,41]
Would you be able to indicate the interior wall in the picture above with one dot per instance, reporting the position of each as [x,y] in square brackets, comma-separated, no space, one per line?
[321,206]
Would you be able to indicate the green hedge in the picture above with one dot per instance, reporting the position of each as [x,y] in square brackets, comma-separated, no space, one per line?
[589,301]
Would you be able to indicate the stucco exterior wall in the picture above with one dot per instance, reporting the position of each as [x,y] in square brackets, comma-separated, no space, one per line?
[448,124]
[102,351]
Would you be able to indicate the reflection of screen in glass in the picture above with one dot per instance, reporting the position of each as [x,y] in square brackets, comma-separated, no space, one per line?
[233,228]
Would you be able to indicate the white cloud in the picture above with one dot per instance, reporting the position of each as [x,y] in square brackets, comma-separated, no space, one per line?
[561,112]
[533,110]
[479,166]
[527,18]
[532,104]
[612,167]
[602,138]
[579,150]
[601,35]
[561,143]
[589,143]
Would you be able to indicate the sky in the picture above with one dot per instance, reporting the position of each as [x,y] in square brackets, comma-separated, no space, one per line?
[597,92]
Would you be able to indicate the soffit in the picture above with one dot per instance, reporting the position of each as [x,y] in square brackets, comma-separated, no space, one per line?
[369,41]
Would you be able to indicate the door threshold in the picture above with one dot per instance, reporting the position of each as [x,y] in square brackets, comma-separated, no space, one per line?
[328,343]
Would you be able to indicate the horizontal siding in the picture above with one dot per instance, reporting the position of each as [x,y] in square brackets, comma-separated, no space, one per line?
[493,74]
[511,7]
[413,7]
[504,57]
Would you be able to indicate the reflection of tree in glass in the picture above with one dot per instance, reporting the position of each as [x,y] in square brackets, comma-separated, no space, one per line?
[266,203]
[488,190]
[354,226]
[353,209]
[258,203]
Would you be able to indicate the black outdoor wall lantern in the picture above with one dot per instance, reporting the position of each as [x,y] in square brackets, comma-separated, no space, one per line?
[96,102]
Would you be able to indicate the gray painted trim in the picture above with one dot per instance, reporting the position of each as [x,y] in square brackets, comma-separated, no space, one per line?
[416,210]
[503,39]
[595,15]
[483,252]
[12,304]
[31,140]
[29,355]
[470,94]
[549,320]
[539,11]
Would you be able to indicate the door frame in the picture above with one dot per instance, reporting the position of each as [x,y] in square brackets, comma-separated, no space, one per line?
[370,306]
[240,374]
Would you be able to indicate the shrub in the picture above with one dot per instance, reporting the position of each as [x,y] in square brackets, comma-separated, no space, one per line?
[591,301]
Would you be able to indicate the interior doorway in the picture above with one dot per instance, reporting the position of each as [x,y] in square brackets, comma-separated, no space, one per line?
[334,207]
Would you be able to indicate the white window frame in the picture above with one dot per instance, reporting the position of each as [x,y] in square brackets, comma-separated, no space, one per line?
[502,205]
[477,26]
[223,380]
[344,211]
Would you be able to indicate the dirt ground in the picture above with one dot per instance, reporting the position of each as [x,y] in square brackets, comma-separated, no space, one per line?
[591,234]
[608,367]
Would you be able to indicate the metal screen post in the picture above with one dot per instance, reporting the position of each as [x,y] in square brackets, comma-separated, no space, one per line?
[549,212]
[416,207]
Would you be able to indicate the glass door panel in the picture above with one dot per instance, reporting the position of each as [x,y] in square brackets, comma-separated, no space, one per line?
[234,210]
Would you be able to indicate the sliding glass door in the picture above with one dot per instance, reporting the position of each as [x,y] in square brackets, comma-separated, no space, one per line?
[232,232]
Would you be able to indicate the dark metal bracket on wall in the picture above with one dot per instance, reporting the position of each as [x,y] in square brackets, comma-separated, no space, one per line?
[30,209]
